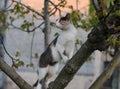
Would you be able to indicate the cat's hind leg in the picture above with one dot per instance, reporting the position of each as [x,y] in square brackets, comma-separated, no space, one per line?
[52,72]
[41,82]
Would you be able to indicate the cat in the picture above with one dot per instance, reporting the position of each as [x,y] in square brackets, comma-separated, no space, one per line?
[61,49]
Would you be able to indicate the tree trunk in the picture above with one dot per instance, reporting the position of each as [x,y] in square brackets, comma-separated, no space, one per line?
[3,5]
[116,78]
[96,41]
[3,66]
[47,23]
[67,74]
[13,75]
[107,73]
[73,65]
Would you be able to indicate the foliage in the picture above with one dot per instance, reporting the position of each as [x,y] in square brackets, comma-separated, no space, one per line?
[114,41]
[30,65]
[18,10]
[93,19]
[17,63]
[17,54]
[109,2]
[26,25]
[106,8]
[2,21]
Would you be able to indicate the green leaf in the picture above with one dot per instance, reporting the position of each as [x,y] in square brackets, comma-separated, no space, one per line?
[75,16]
[30,65]
[70,7]
[18,63]
[26,25]
[91,9]
[36,55]
[17,54]
[109,2]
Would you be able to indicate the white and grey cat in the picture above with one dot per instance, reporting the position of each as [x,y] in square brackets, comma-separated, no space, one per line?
[60,49]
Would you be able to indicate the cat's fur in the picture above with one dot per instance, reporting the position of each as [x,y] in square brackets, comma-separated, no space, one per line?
[60,49]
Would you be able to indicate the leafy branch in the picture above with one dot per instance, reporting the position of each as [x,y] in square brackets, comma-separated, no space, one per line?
[28,7]
[15,62]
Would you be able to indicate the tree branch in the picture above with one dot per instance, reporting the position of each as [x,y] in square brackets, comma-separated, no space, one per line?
[55,7]
[28,7]
[96,6]
[19,28]
[107,73]
[47,23]
[6,50]
[68,72]
[13,75]
[96,41]
[12,58]
[31,48]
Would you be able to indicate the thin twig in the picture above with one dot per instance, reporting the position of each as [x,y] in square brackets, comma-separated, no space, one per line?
[28,7]
[9,6]
[36,27]
[26,30]
[12,58]
[55,8]
[31,50]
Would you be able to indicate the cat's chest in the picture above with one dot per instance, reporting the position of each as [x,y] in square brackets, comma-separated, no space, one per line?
[67,36]
[64,40]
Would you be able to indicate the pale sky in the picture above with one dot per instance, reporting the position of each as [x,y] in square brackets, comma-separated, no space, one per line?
[38,4]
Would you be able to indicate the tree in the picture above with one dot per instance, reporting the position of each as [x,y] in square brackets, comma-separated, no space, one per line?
[97,40]
[47,22]
[3,5]
[106,21]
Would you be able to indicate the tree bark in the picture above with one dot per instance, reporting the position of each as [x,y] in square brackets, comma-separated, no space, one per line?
[67,74]
[107,73]
[3,5]
[47,23]
[97,40]
[115,83]
[13,75]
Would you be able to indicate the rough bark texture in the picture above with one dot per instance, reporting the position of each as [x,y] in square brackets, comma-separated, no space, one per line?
[13,75]
[72,66]
[107,73]
[96,41]
[77,61]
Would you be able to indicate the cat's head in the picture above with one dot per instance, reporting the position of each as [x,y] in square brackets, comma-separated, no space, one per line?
[64,22]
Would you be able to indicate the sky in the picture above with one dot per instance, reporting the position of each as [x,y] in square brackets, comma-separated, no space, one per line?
[38,4]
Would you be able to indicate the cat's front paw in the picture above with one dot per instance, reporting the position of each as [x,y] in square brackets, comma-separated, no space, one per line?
[65,60]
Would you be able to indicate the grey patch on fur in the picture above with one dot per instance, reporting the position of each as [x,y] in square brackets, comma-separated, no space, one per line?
[46,58]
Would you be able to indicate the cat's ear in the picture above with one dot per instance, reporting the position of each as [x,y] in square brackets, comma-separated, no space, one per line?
[67,16]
